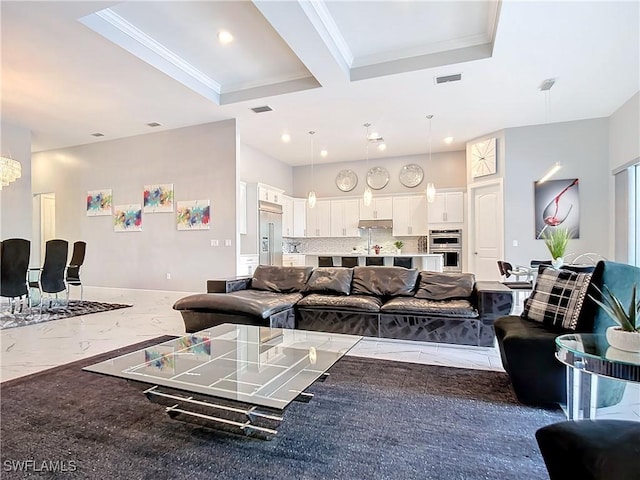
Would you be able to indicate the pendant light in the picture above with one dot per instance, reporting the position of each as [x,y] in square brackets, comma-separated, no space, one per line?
[431,188]
[312,194]
[368,194]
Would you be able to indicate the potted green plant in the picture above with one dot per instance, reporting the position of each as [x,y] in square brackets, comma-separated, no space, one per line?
[556,241]
[398,244]
[625,336]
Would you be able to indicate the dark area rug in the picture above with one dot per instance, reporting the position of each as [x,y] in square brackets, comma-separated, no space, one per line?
[56,312]
[371,419]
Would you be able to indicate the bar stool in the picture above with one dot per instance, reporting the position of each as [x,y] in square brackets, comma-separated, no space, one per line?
[325,261]
[406,262]
[374,261]
[349,262]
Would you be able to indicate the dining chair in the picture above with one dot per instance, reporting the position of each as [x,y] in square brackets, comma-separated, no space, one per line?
[73,269]
[51,278]
[14,265]
[519,287]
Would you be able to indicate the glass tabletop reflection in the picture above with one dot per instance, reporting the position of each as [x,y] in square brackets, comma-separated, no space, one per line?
[264,366]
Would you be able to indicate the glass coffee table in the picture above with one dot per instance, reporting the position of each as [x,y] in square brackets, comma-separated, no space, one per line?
[232,377]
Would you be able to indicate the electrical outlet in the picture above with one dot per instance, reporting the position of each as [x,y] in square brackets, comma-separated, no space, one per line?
[215,243]
[168,276]
[515,243]
[227,243]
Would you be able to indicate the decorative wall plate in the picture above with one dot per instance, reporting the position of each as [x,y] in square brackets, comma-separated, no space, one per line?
[346,180]
[377,178]
[411,175]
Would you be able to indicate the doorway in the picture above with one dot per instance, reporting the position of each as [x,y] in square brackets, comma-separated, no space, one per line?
[486,214]
[44,225]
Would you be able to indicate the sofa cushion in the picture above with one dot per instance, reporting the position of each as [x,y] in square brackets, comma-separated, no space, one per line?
[280,279]
[443,286]
[250,302]
[557,298]
[458,308]
[330,280]
[384,281]
[364,303]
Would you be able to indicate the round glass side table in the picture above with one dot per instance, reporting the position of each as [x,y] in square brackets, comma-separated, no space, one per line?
[589,356]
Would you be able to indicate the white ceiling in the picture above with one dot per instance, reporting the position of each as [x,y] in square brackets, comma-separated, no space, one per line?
[70,69]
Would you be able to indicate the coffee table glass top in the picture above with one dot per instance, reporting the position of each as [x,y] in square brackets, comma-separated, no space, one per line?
[263,366]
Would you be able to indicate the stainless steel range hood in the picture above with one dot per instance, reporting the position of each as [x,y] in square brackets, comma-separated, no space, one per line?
[375,224]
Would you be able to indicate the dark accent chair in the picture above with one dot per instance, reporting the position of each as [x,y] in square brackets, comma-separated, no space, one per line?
[374,261]
[349,262]
[325,261]
[591,449]
[73,269]
[14,265]
[528,348]
[406,262]
[51,278]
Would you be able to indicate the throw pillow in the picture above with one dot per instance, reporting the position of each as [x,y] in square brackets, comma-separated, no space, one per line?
[445,286]
[330,280]
[384,281]
[557,298]
[280,279]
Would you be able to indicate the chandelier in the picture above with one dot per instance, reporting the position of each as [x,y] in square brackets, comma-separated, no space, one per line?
[312,194]
[10,171]
[368,194]
[431,188]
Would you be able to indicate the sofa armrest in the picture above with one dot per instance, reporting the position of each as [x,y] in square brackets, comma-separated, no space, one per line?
[228,285]
[494,300]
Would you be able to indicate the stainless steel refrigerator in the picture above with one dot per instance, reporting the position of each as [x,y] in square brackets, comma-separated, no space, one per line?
[270,233]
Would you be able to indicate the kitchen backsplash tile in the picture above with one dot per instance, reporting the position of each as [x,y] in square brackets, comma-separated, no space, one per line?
[384,238]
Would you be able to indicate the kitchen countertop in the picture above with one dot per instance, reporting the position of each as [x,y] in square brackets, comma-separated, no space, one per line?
[364,254]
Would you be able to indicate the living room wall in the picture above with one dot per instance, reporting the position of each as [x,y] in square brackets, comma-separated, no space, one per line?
[582,148]
[15,199]
[200,161]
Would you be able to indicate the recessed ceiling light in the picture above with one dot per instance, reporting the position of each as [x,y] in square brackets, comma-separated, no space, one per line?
[448,140]
[97,134]
[382,147]
[286,138]
[225,37]
[323,153]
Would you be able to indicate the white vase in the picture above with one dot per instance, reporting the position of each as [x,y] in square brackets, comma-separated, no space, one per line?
[557,263]
[398,251]
[622,340]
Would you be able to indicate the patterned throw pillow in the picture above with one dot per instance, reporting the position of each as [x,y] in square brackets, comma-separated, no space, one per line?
[557,298]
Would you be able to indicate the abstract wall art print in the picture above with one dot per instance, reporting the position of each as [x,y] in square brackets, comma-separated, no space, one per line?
[127,218]
[557,205]
[99,202]
[158,198]
[193,215]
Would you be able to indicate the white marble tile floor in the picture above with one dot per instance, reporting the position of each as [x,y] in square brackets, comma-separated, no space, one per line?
[30,349]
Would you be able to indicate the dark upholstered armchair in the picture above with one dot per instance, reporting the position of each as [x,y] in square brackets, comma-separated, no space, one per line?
[528,348]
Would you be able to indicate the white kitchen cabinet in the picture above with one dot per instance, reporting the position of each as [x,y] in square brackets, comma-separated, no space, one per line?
[345,215]
[247,264]
[410,216]
[287,216]
[319,219]
[448,207]
[293,260]
[380,208]
[267,193]
[299,217]
[242,208]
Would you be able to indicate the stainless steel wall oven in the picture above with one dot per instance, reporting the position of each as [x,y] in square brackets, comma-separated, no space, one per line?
[448,243]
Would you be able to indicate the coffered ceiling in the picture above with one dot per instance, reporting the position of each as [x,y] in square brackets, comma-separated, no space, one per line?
[71,69]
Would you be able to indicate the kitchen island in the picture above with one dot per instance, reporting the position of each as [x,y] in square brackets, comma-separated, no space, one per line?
[422,261]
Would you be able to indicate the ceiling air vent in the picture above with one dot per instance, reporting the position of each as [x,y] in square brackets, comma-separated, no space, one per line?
[265,108]
[97,134]
[449,78]
[153,124]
